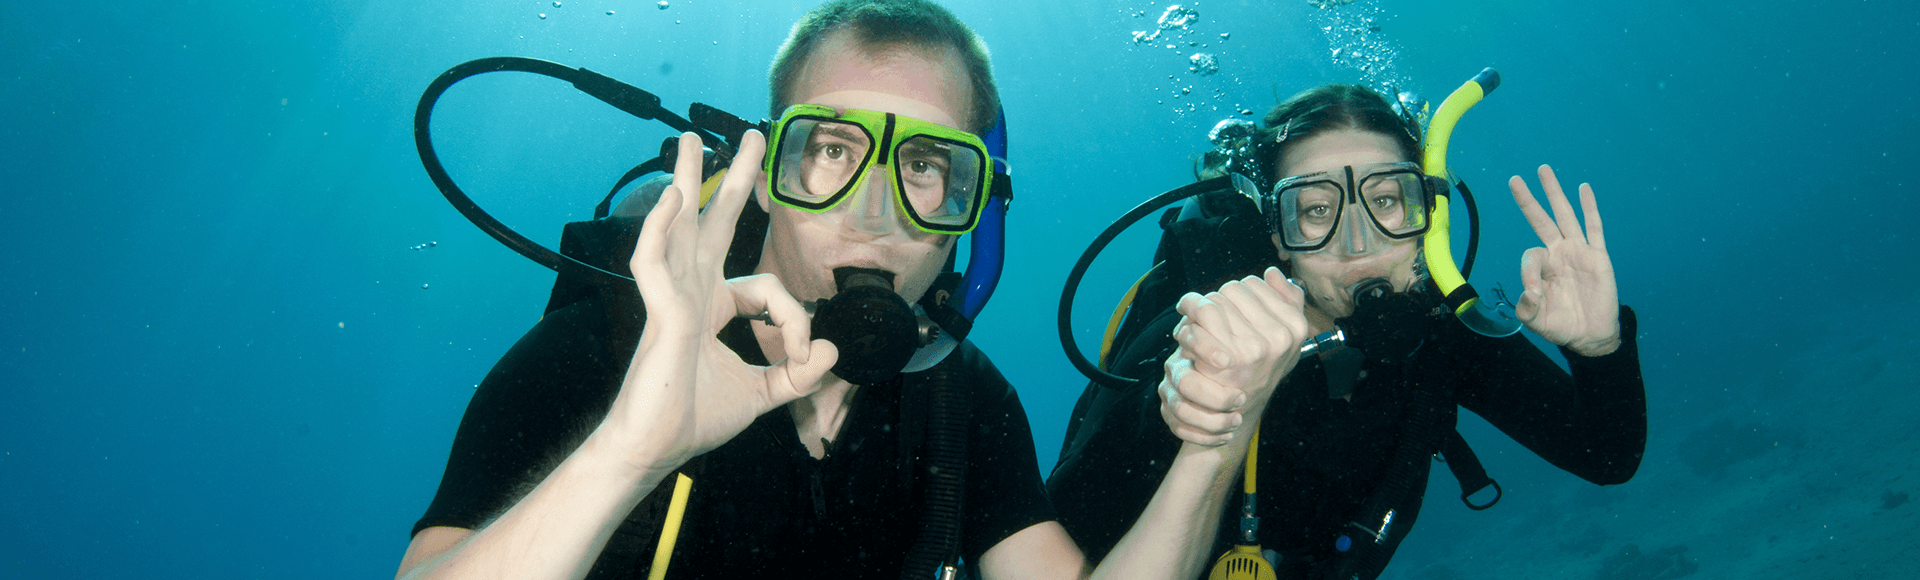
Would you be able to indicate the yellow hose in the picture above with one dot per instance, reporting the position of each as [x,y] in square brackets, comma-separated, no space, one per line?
[1120,313]
[670,532]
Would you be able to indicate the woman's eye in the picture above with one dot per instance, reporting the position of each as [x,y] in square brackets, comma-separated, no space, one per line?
[1385,202]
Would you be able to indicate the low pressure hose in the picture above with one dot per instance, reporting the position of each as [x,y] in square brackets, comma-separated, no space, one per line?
[946,445]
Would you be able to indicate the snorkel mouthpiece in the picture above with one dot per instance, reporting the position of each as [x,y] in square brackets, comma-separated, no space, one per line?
[875,330]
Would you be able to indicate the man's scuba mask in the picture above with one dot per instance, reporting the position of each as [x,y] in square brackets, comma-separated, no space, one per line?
[936,176]
[1355,210]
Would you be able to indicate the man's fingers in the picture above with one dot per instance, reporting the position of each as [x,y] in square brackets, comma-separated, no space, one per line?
[686,169]
[651,248]
[764,294]
[1537,217]
[791,379]
[1180,413]
[1591,209]
[716,223]
[1191,434]
[1207,394]
[1564,216]
[1204,420]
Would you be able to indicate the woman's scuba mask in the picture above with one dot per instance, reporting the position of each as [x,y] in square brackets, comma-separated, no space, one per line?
[1355,210]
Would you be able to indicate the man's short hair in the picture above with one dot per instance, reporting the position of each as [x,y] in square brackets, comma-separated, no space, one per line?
[879,25]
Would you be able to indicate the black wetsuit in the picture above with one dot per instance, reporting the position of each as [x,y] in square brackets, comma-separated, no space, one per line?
[1322,459]
[761,505]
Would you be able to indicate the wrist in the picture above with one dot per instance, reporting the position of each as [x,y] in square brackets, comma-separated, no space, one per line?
[1595,348]
[627,457]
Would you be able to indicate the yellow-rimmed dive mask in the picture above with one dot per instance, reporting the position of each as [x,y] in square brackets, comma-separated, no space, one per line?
[1354,210]
[821,161]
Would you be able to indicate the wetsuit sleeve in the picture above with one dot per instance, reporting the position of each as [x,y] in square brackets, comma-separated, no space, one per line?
[1004,492]
[1119,450]
[535,406]
[1592,424]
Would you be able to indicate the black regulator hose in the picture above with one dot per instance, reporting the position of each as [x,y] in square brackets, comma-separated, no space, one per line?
[625,97]
[1079,360]
[946,472]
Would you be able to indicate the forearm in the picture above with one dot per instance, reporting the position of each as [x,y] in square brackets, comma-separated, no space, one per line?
[1173,536]
[559,528]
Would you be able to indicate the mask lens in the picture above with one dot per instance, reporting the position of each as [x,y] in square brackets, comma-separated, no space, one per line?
[819,161]
[1309,210]
[1396,200]
[940,181]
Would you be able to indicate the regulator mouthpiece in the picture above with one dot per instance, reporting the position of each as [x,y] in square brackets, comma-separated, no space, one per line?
[875,330]
[1371,289]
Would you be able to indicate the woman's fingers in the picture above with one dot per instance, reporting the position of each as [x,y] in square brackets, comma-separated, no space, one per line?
[1592,210]
[1533,282]
[1537,217]
[1293,300]
[1201,310]
[1203,345]
[1562,209]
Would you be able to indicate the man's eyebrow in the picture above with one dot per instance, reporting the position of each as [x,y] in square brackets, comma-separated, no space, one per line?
[841,131]
[926,147]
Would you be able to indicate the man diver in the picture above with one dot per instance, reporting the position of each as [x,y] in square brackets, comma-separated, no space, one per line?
[874,169]
[1344,435]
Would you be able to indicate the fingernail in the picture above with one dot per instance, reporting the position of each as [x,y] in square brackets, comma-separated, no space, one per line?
[1239,401]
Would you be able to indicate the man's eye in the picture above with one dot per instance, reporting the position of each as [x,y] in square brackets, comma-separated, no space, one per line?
[834,151]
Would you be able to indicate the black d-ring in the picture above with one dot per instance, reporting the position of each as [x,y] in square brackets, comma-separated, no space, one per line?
[1497,492]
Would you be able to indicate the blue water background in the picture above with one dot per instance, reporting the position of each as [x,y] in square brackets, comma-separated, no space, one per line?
[219,357]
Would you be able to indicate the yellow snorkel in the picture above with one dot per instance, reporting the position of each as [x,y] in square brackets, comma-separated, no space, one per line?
[1490,319]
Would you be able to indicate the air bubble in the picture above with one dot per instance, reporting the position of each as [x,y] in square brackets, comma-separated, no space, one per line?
[1203,64]
[663,4]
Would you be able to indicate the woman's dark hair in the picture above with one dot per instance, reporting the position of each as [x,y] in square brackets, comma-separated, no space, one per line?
[1309,113]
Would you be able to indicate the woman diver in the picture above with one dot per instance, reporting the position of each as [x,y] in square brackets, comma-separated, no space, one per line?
[1342,436]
